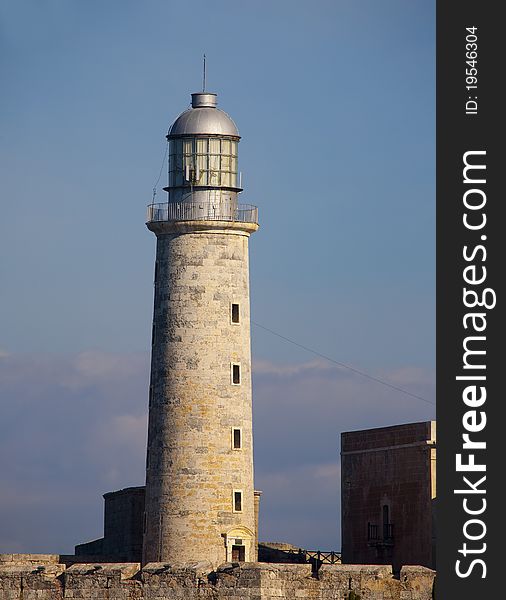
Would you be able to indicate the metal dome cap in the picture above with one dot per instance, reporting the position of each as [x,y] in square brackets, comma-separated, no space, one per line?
[203,118]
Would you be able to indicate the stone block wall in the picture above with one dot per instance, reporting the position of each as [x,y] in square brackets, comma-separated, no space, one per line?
[123,521]
[199,486]
[31,577]
[123,515]
[48,579]
[122,541]
[392,467]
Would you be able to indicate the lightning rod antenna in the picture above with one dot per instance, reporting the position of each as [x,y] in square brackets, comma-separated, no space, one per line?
[204,77]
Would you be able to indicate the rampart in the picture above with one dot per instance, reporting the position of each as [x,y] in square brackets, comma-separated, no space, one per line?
[45,577]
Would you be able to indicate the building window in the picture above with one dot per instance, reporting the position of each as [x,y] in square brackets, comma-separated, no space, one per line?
[147,459]
[236,438]
[236,373]
[237,501]
[386,519]
[235,313]
[388,528]
[153,331]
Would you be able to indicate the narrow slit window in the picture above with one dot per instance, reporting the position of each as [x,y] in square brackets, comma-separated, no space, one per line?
[236,374]
[237,501]
[236,438]
[153,332]
[235,313]
[386,519]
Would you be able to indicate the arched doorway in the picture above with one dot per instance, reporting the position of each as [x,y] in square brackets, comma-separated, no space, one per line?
[239,544]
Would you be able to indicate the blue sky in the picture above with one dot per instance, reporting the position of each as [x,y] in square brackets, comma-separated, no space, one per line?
[335,104]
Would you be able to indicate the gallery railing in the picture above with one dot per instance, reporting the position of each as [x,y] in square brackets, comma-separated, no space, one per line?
[202,211]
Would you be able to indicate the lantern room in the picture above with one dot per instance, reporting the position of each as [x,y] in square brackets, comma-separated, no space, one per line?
[203,144]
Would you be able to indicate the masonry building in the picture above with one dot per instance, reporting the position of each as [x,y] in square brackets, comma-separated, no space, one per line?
[388,493]
[199,467]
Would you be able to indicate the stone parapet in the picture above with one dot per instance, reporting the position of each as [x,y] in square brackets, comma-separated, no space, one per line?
[33,580]
[103,581]
[27,559]
[46,579]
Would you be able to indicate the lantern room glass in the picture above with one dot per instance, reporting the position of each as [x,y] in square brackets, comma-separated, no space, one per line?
[203,161]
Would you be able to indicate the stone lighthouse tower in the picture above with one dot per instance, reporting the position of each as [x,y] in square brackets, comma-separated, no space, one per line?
[199,465]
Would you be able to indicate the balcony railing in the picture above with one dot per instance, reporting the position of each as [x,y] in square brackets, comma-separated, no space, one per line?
[374,537]
[202,211]
[372,532]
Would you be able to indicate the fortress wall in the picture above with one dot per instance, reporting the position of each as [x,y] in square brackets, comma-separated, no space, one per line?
[50,580]
[123,513]
[390,467]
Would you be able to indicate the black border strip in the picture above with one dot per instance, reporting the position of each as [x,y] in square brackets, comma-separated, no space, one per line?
[461,129]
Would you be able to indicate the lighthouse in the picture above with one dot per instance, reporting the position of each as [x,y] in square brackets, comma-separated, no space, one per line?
[199,466]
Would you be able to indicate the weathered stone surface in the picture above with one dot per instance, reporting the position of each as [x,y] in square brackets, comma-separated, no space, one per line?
[123,522]
[107,581]
[25,559]
[230,581]
[192,468]
[282,552]
[415,581]
[32,580]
